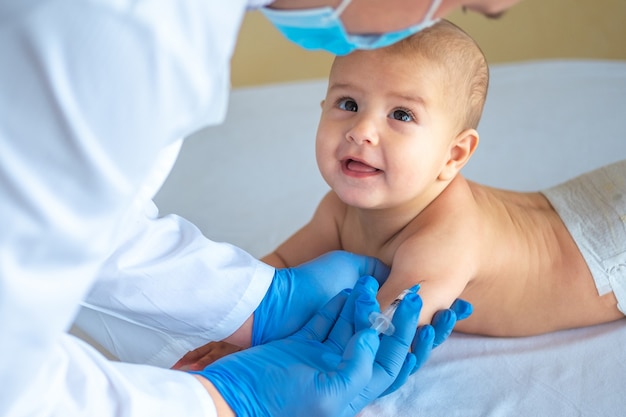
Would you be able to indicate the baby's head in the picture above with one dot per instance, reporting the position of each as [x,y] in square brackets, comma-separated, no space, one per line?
[462,65]
[463,74]
[398,123]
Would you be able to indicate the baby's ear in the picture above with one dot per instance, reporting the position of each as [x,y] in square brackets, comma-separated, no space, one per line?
[322,104]
[461,149]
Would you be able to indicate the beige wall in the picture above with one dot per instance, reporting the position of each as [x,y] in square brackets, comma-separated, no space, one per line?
[534,29]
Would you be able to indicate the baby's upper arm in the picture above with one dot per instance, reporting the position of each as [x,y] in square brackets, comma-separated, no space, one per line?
[441,263]
[319,236]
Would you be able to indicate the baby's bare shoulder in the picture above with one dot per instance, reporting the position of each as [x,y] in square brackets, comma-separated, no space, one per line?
[331,208]
[452,225]
[456,210]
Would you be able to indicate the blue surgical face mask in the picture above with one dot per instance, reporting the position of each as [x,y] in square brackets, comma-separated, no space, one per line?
[321,28]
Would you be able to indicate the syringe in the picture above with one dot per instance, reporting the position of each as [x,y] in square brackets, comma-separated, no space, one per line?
[381,322]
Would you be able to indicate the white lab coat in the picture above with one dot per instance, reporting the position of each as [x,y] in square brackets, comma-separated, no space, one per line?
[94,96]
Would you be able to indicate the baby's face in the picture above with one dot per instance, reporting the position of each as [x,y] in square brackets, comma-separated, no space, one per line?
[384,133]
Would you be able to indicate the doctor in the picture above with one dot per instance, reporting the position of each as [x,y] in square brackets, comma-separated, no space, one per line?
[94,98]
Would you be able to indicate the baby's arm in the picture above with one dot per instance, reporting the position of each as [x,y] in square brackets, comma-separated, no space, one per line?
[314,239]
[319,236]
[438,263]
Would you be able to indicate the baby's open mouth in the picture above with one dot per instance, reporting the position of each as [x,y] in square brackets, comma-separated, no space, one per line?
[358,166]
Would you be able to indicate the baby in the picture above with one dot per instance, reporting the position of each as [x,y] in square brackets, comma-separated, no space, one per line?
[397,126]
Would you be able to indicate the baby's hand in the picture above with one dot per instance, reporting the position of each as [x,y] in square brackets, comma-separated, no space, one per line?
[205,355]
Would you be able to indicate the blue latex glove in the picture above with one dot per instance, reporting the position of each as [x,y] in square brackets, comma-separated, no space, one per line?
[444,320]
[328,368]
[429,337]
[295,294]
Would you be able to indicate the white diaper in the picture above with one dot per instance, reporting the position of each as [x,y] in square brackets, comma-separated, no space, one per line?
[593,208]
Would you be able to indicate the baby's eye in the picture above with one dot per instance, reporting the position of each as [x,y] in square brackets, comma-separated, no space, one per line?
[402,115]
[347,104]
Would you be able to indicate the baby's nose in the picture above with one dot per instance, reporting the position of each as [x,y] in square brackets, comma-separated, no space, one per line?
[363,132]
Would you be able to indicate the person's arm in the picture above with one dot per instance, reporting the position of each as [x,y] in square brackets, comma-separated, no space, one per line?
[222,408]
[442,263]
[334,366]
[91,94]
[319,236]
[174,289]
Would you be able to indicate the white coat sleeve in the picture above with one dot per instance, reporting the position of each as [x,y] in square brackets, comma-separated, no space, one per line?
[90,94]
[168,290]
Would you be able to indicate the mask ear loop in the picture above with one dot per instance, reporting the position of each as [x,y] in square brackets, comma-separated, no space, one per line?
[342,6]
[434,6]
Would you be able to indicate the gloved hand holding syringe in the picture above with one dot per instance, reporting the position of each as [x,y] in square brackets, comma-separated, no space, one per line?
[381,322]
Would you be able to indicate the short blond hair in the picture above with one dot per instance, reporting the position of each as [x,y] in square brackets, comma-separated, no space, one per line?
[463,64]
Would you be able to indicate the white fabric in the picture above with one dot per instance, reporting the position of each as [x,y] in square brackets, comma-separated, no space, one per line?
[94,98]
[544,122]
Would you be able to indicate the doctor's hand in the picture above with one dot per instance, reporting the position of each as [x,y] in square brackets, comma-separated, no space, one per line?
[429,337]
[297,293]
[334,366]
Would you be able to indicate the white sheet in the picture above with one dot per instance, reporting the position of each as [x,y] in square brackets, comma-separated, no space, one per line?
[253,181]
